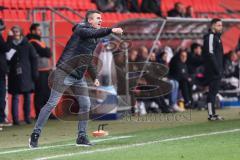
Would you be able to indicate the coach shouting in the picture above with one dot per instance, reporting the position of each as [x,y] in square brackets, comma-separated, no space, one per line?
[83,41]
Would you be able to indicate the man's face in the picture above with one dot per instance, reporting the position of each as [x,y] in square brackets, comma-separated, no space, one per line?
[144,52]
[198,51]
[37,31]
[238,54]
[218,27]
[183,57]
[16,33]
[234,57]
[180,8]
[153,57]
[95,20]
[164,57]
[133,55]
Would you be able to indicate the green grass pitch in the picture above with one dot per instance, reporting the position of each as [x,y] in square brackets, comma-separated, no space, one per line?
[182,136]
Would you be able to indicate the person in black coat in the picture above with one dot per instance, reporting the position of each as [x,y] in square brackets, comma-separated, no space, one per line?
[153,6]
[177,11]
[3,72]
[173,96]
[195,64]
[42,90]
[134,6]
[178,71]
[195,58]
[230,65]
[23,72]
[213,58]
[112,5]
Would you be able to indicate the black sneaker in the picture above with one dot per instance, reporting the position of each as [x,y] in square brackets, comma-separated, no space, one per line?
[83,141]
[33,140]
[5,124]
[212,118]
[218,117]
[16,123]
[28,121]
[215,118]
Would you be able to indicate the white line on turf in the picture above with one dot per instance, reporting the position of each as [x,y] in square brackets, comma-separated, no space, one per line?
[137,144]
[62,145]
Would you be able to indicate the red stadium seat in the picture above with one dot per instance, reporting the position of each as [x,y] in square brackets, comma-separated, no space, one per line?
[59,3]
[22,14]
[7,4]
[41,3]
[34,4]
[22,4]
[1,14]
[10,14]
[49,3]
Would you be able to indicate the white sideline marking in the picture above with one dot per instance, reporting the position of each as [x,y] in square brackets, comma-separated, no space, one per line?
[62,145]
[137,144]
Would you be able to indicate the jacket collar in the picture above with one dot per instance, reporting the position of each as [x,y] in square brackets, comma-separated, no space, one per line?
[33,36]
[211,32]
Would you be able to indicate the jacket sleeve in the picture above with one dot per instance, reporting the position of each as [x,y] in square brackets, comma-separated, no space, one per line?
[93,33]
[33,61]
[42,52]
[3,45]
[209,49]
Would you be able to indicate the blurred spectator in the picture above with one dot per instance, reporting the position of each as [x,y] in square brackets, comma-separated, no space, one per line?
[238,45]
[151,6]
[195,58]
[162,58]
[230,71]
[190,12]
[173,96]
[178,71]
[153,57]
[122,6]
[230,65]
[112,5]
[3,72]
[106,5]
[177,11]
[238,50]
[169,52]
[42,91]
[143,54]
[133,6]
[153,105]
[23,73]
[133,55]
[119,60]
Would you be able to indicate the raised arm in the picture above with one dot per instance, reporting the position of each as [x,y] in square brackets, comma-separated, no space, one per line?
[93,33]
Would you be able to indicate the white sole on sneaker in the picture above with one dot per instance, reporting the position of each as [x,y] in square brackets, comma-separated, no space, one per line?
[6,125]
[29,140]
[83,145]
[29,143]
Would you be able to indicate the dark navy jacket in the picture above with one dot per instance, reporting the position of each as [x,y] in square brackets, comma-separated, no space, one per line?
[82,42]
[213,56]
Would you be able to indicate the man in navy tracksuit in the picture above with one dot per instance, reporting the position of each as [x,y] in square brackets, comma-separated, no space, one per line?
[213,58]
[82,43]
